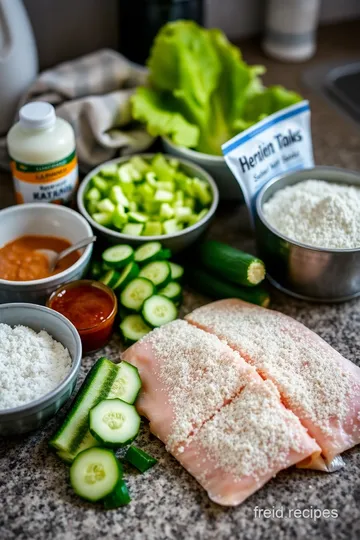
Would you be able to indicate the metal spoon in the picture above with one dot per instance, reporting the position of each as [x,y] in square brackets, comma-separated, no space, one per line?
[54,257]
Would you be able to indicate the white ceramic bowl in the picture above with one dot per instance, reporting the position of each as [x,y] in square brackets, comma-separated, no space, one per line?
[216,166]
[34,414]
[177,241]
[42,219]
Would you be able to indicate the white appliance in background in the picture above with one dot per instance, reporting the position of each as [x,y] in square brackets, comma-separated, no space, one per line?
[18,59]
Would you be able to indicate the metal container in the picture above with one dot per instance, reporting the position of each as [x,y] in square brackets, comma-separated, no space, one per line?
[34,414]
[306,272]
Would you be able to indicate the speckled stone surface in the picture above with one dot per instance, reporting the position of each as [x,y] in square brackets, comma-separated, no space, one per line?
[36,501]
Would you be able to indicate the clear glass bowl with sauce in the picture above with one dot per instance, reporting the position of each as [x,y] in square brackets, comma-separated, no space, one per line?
[91,306]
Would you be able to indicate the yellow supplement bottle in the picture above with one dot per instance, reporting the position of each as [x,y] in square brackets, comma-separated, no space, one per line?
[43,157]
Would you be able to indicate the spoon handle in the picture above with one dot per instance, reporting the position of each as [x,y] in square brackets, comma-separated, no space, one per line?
[82,243]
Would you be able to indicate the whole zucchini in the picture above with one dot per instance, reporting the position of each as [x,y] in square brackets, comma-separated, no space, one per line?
[214,287]
[232,264]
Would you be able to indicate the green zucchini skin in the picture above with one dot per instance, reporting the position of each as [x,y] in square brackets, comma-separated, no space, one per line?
[230,263]
[216,288]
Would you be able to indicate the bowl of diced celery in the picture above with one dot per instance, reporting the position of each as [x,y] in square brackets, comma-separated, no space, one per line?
[149,197]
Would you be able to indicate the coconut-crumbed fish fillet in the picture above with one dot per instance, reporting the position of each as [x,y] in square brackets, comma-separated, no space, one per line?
[213,411]
[319,385]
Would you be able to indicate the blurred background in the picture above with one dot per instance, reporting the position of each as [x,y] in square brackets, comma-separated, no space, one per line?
[65,29]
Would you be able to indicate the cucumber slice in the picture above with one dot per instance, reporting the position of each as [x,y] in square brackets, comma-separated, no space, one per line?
[126,384]
[158,310]
[147,252]
[95,473]
[106,206]
[133,229]
[129,273]
[173,291]
[88,441]
[110,278]
[119,497]
[117,196]
[114,422]
[158,272]
[140,459]
[133,328]
[102,218]
[136,292]
[177,271]
[95,388]
[118,256]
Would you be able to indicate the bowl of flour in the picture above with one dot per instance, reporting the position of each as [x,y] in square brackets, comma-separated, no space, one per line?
[308,233]
[40,357]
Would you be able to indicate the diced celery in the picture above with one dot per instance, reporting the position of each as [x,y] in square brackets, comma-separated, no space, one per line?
[152,228]
[117,196]
[167,186]
[151,207]
[91,206]
[139,164]
[178,204]
[183,213]
[102,218]
[201,191]
[106,206]
[189,188]
[179,195]
[93,194]
[119,217]
[170,226]
[195,218]
[128,189]
[161,195]
[133,229]
[125,173]
[137,217]
[174,163]
[162,168]
[151,179]
[190,202]
[101,184]
[166,212]
[133,206]
[146,191]
[108,171]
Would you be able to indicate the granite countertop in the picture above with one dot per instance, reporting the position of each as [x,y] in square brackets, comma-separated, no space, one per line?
[36,501]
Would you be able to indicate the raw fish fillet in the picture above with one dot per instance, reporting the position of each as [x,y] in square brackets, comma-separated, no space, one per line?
[215,414]
[319,385]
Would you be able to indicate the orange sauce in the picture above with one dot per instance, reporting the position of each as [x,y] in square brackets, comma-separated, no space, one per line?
[19,260]
[91,307]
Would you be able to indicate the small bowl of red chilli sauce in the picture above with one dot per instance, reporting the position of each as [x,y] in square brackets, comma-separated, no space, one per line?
[91,306]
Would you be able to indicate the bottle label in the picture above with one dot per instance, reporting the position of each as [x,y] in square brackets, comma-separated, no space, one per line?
[277,145]
[51,182]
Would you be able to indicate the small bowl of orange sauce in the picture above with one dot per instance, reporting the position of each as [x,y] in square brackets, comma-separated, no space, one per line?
[91,306]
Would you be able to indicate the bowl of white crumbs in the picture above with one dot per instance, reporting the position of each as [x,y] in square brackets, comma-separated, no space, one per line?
[40,357]
[308,233]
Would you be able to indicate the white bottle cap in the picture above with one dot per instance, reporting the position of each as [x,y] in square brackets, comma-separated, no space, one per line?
[37,115]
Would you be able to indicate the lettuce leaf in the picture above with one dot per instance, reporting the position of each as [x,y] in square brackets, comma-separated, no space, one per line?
[201,92]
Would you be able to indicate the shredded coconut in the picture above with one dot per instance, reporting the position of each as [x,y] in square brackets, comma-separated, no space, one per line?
[199,374]
[254,434]
[305,369]
[317,213]
[31,365]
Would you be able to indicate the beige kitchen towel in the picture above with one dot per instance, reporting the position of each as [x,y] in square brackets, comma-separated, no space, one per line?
[93,94]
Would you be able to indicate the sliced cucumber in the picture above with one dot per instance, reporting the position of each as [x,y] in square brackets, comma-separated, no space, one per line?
[158,272]
[173,291]
[147,252]
[158,310]
[177,271]
[129,273]
[110,278]
[140,459]
[114,422]
[102,218]
[126,384]
[96,270]
[95,388]
[119,497]
[95,473]
[88,441]
[133,328]
[136,292]
[118,256]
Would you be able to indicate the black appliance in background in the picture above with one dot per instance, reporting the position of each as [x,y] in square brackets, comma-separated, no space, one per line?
[140,21]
